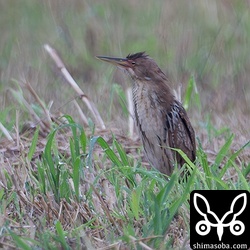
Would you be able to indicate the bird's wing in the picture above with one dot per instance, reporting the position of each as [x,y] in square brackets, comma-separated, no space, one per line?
[180,132]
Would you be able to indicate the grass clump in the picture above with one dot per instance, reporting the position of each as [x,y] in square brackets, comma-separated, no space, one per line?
[65,199]
[63,186]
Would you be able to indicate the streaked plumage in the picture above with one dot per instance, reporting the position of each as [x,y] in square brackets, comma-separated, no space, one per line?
[161,120]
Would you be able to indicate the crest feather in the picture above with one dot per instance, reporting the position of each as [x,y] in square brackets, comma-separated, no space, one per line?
[137,55]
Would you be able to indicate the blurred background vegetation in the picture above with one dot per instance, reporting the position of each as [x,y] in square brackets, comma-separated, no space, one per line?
[206,39]
[203,47]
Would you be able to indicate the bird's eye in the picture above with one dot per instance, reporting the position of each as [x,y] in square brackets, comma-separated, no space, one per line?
[133,63]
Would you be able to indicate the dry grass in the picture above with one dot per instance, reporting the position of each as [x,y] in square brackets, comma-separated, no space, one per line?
[205,39]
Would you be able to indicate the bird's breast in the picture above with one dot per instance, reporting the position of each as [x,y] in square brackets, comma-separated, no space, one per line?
[147,109]
[149,118]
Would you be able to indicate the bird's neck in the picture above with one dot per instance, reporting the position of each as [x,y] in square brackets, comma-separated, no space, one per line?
[152,95]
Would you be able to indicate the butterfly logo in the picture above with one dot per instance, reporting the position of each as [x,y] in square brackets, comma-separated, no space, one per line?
[203,227]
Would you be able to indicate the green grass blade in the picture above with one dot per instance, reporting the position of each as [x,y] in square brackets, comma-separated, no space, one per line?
[19,241]
[219,184]
[108,151]
[83,141]
[163,217]
[76,176]
[61,235]
[242,179]
[184,156]
[72,149]
[48,155]
[53,170]
[163,194]
[246,170]
[186,191]
[135,202]
[222,153]
[64,188]
[41,178]
[73,127]
[191,88]
[188,93]
[178,202]
[202,157]
[232,159]
[121,153]
[33,144]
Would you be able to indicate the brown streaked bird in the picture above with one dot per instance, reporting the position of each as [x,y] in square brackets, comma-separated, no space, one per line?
[161,120]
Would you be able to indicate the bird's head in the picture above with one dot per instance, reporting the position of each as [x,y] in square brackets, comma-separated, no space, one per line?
[139,65]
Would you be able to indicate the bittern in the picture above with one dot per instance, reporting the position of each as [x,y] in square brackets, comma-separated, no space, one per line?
[161,120]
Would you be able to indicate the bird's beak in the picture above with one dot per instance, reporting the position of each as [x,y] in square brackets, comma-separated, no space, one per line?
[122,62]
